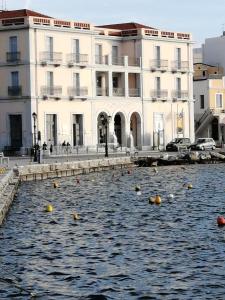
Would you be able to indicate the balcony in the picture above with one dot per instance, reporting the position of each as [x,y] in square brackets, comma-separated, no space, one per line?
[102,91]
[134,62]
[134,92]
[81,92]
[118,92]
[159,65]
[13,57]
[180,95]
[77,59]
[51,58]
[51,91]
[14,91]
[101,60]
[180,66]
[159,95]
[117,60]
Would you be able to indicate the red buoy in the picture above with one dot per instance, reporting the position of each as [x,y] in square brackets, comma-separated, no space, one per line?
[221,221]
[129,172]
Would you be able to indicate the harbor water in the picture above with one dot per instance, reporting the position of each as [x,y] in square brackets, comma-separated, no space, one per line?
[122,247]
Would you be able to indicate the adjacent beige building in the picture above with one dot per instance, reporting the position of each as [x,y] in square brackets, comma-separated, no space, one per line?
[70,73]
[209,94]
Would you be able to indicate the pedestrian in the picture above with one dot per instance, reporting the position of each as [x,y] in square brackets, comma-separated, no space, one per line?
[44,146]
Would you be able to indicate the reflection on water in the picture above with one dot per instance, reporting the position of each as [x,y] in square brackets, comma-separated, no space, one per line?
[122,247]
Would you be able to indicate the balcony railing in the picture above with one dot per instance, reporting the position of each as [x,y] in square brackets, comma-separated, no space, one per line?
[180,66]
[54,91]
[14,91]
[135,92]
[159,94]
[102,91]
[159,64]
[118,60]
[134,61]
[53,58]
[13,57]
[101,60]
[77,59]
[180,95]
[118,92]
[77,92]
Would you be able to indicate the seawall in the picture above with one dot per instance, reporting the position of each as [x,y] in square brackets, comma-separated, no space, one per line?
[8,188]
[10,181]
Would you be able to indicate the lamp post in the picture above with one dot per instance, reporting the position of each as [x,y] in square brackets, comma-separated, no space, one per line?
[34,115]
[105,122]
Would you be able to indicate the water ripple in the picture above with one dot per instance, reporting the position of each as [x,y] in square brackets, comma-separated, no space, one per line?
[122,247]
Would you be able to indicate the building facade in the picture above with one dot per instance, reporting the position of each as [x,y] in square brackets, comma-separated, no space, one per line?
[209,94]
[70,74]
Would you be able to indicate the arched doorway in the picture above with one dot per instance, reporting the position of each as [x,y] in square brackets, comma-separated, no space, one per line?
[135,128]
[101,129]
[119,128]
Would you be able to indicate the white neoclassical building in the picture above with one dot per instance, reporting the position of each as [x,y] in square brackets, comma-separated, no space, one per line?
[69,73]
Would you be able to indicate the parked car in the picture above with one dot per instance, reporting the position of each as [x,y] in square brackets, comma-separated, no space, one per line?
[178,144]
[203,144]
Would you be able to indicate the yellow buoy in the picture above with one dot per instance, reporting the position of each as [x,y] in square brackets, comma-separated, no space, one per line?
[49,208]
[158,200]
[76,216]
[189,186]
[55,184]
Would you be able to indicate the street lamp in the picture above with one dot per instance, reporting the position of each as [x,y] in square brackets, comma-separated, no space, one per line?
[34,115]
[105,122]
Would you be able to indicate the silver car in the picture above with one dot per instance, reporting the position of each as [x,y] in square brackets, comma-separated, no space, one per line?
[203,144]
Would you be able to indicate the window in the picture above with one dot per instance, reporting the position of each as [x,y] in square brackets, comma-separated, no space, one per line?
[76,83]
[50,83]
[76,50]
[51,129]
[98,54]
[49,47]
[15,78]
[178,84]
[158,87]
[76,46]
[77,130]
[203,73]
[13,44]
[178,57]
[202,102]
[178,87]
[14,89]
[115,51]
[219,100]
[158,55]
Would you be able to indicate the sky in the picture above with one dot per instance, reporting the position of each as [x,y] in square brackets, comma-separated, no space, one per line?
[202,18]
